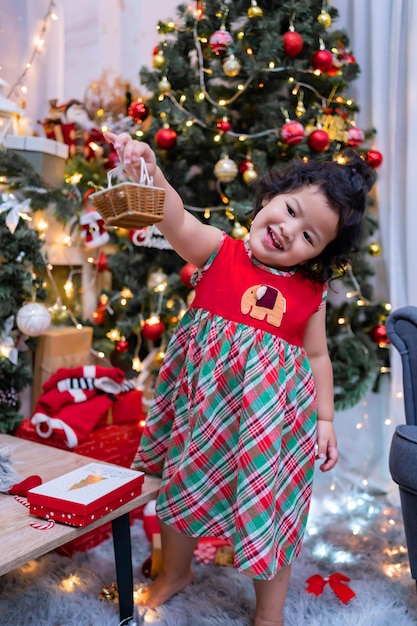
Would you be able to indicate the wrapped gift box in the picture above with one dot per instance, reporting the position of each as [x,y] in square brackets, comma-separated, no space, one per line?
[60,347]
[46,156]
[116,443]
[113,444]
[80,497]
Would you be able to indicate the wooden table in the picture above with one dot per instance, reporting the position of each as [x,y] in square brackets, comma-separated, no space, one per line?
[21,543]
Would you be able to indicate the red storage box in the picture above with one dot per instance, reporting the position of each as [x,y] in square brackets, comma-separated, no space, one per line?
[116,443]
[80,497]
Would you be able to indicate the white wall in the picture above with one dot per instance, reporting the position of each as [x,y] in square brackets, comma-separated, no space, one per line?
[89,38]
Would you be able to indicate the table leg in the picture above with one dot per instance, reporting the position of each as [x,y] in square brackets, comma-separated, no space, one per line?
[124,571]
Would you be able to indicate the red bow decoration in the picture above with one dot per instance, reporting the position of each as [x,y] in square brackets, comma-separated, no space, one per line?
[316,585]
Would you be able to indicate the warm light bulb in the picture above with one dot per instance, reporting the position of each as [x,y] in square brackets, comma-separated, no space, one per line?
[113,335]
[69,584]
[69,288]
[42,225]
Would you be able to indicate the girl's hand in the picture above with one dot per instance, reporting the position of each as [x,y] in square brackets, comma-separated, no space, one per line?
[326,445]
[130,152]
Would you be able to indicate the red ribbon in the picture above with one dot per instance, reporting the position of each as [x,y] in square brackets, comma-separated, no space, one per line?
[316,585]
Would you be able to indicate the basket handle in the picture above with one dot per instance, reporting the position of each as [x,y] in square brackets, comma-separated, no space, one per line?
[145,179]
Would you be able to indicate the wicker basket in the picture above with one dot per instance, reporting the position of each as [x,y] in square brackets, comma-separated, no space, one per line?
[130,205]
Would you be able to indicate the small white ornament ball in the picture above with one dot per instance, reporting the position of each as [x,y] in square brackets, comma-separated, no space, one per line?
[33,319]
[157,280]
[225,170]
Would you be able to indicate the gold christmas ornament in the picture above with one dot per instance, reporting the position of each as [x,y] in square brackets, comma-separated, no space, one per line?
[239,231]
[159,357]
[250,174]
[158,60]
[300,109]
[324,19]
[374,249]
[231,66]
[254,10]
[164,85]
[225,170]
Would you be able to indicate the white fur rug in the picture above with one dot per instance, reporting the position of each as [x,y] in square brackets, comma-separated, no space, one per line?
[361,537]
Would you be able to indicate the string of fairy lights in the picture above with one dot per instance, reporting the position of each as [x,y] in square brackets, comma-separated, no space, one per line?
[38,48]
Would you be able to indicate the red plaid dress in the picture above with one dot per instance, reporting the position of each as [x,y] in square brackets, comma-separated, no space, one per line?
[232,426]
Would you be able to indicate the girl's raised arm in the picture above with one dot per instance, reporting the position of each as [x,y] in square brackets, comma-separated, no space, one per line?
[190,238]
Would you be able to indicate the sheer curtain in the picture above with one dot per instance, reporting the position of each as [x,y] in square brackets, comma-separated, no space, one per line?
[118,36]
[382,35]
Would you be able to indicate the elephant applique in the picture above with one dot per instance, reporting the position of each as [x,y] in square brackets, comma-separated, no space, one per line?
[263,301]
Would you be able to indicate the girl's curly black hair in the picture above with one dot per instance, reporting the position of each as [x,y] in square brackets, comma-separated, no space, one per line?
[345,185]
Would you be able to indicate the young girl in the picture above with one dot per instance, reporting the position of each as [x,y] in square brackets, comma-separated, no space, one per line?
[244,399]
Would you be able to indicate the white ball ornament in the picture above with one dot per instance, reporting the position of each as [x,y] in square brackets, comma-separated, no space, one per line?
[225,170]
[33,319]
[239,231]
[157,280]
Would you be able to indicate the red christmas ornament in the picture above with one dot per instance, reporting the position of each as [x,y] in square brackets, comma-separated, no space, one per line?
[374,158]
[153,328]
[319,141]
[292,133]
[322,60]
[219,41]
[185,274]
[245,165]
[138,111]
[379,335]
[224,125]
[355,136]
[333,71]
[166,138]
[99,314]
[122,345]
[292,43]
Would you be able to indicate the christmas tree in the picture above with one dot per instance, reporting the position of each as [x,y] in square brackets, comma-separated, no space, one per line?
[238,88]
[22,286]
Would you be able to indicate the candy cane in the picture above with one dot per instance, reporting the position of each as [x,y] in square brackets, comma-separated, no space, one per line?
[45,526]
[22,501]
[37,525]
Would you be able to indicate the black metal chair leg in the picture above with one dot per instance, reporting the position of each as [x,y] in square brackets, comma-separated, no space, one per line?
[123,557]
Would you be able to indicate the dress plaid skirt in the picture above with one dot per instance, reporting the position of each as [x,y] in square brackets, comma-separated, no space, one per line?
[232,431]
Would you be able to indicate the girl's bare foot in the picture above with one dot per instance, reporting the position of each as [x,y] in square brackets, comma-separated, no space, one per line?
[163,589]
